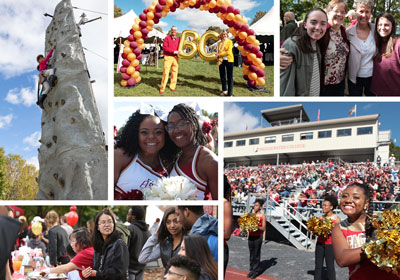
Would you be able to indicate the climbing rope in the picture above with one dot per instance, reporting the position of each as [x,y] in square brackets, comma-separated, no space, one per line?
[94,53]
[90,11]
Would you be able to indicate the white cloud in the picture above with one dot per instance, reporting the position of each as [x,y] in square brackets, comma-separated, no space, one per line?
[26,96]
[33,161]
[161,24]
[235,118]
[367,106]
[33,139]
[147,3]
[5,120]
[192,16]
[245,5]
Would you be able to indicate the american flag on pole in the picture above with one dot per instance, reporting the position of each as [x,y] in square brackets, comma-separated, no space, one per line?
[353,110]
[318,116]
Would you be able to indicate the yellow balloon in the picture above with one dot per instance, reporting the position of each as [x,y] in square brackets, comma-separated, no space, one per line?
[135,27]
[251,39]
[126,43]
[238,18]
[137,20]
[261,66]
[150,28]
[227,3]
[257,62]
[220,3]
[163,13]
[244,20]
[253,76]
[151,9]
[138,79]
[150,22]
[142,46]
[137,34]
[251,56]
[230,16]
[131,57]
[127,50]
[130,70]
[192,2]
[233,31]
[244,52]
[124,83]
[169,3]
[186,44]
[150,15]
[135,63]
[242,35]
[256,43]
[245,71]
[212,4]
[240,48]
[202,42]
[37,228]
[260,81]
[135,75]
[140,41]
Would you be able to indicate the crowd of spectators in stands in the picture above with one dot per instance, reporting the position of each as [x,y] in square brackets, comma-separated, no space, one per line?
[304,184]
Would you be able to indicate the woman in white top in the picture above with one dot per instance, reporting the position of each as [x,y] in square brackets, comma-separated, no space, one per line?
[143,154]
[362,50]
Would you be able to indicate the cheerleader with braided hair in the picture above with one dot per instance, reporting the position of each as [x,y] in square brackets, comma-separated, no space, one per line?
[195,162]
[349,236]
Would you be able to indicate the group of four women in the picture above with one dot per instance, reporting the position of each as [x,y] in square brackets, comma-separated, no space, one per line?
[317,56]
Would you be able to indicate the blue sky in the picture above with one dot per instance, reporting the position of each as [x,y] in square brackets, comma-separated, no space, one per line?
[22,38]
[250,112]
[193,19]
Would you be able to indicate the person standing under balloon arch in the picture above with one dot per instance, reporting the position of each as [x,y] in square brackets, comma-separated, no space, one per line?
[225,63]
[171,60]
[58,240]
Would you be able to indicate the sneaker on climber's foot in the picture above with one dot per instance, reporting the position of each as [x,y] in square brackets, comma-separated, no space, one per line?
[52,80]
[41,101]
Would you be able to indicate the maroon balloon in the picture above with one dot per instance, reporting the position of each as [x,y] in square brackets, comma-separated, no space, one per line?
[253,68]
[223,9]
[144,37]
[251,83]
[145,11]
[124,55]
[244,28]
[247,62]
[255,50]
[259,54]
[246,77]
[237,25]
[197,5]
[126,62]
[225,21]
[237,38]
[242,42]
[231,23]
[137,68]
[248,47]
[211,10]
[145,31]
[250,32]
[143,17]
[132,31]
[172,9]
[131,38]
[162,2]
[216,9]
[260,73]
[133,45]
[159,8]
[230,9]
[131,82]
[122,69]
[142,24]
[156,20]
[176,4]
[157,15]
[139,57]
[137,51]
[236,11]
[125,76]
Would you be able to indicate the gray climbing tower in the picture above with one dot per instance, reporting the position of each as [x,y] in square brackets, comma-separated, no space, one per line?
[72,155]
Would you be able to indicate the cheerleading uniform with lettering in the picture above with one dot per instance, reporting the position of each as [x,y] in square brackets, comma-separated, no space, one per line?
[189,171]
[327,241]
[259,232]
[355,237]
[137,175]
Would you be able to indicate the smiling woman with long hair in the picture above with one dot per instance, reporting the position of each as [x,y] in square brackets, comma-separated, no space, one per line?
[111,254]
[166,242]
[195,162]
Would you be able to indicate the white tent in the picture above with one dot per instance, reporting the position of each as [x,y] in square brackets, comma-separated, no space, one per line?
[123,24]
[266,24]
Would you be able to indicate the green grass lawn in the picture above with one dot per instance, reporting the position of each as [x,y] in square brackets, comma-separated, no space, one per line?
[195,78]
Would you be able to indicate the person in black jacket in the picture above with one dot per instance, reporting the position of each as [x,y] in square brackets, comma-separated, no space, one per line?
[58,240]
[139,236]
[110,261]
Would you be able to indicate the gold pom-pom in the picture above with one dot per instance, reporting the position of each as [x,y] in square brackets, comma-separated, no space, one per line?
[384,249]
[248,222]
[320,226]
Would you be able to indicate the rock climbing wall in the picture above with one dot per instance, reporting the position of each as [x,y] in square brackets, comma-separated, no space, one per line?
[72,155]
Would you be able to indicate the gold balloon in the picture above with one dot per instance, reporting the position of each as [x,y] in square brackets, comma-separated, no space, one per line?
[220,3]
[242,35]
[192,2]
[184,44]
[130,70]
[202,42]
[240,48]
[124,83]
[127,50]
[137,34]
[131,56]
[230,16]
[150,28]
[257,62]
[137,20]
[244,52]
[135,75]
[260,82]
[140,41]
[150,15]
[238,18]
[163,13]
[251,56]
[136,27]
[256,43]
[261,66]
[37,228]
[244,20]
[245,71]
[150,22]
[212,4]
[253,76]
[151,9]
[138,79]
[251,39]
[135,63]
[126,43]
[169,3]
[142,46]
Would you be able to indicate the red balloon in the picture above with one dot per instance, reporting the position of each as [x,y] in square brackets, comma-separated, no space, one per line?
[176,5]
[237,38]
[246,77]
[172,8]
[145,11]
[259,54]
[236,11]
[122,69]
[242,42]
[131,38]
[247,62]
[139,57]
[248,47]
[250,32]
[137,51]
[131,82]
[143,17]
[156,20]
[72,208]
[253,68]
[72,218]
[126,62]
[217,9]
[244,28]
[225,21]
[159,8]
[132,31]
[260,73]
[124,56]
[197,5]
[142,24]
[223,9]
[255,50]
[231,23]
[251,83]
[126,76]
[237,25]
[157,16]
[145,31]
[230,9]
[162,2]
[137,68]
[133,45]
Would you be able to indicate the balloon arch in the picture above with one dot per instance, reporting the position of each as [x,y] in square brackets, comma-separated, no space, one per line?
[248,44]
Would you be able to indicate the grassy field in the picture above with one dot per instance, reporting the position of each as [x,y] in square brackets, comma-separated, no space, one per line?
[195,78]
